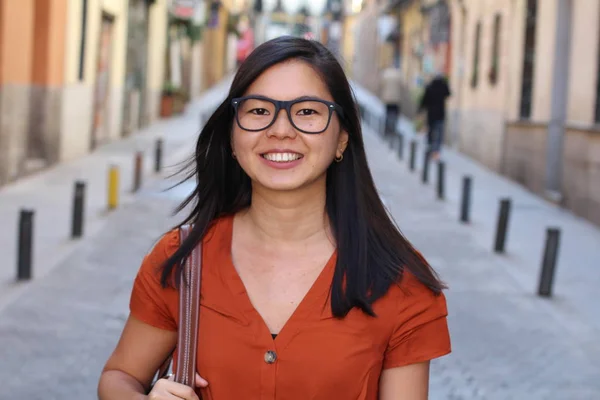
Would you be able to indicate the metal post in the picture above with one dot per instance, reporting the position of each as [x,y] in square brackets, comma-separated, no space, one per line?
[413,154]
[25,245]
[502,226]
[158,155]
[400,146]
[466,199]
[441,180]
[549,262]
[425,172]
[113,187]
[78,207]
[138,168]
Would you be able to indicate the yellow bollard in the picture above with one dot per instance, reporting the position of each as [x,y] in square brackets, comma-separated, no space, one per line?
[113,187]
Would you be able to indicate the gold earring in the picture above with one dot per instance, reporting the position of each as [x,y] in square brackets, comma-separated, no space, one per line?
[340,158]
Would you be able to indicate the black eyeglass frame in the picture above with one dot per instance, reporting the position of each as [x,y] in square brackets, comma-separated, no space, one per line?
[287,106]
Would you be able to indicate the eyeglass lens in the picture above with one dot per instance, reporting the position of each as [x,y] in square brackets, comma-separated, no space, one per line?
[308,116]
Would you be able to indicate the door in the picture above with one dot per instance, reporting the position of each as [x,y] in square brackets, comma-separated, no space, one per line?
[100,128]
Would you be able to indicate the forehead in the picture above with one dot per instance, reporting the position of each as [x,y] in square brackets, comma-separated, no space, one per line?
[290,80]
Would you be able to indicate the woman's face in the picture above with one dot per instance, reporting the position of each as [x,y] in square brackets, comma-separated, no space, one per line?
[281,157]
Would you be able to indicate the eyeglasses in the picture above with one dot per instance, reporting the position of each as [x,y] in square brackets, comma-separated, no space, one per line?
[307,114]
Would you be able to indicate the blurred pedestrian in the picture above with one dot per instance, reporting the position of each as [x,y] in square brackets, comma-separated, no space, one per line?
[433,103]
[391,95]
[308,288]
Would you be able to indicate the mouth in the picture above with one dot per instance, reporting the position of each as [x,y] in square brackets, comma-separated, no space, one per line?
[281,157]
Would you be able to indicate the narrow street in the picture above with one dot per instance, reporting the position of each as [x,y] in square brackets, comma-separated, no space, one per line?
[57,331]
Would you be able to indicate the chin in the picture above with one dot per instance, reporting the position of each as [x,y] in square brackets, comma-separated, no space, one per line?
[281,186]
[288,185]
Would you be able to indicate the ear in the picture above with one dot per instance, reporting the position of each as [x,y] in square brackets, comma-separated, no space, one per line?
[342,143]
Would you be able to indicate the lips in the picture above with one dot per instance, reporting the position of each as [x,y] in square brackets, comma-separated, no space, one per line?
[282,157]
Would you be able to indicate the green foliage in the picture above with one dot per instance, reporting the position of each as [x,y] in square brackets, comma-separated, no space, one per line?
[192,31]
[169,89]
[232,25]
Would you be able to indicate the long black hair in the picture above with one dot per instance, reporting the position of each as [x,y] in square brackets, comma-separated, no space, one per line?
[372,253]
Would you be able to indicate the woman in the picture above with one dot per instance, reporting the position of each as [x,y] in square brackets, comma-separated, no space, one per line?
[309,291]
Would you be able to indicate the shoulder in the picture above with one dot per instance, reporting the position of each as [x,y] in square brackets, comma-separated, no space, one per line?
[409,302]
[168,244]
[162,249]
[409,290]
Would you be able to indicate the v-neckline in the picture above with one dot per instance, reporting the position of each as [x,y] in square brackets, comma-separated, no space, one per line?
[319,289]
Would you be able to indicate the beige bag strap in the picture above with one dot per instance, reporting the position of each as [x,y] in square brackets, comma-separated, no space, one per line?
[189,314]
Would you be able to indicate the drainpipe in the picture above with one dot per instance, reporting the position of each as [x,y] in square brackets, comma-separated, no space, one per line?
[558,111]
[461,73]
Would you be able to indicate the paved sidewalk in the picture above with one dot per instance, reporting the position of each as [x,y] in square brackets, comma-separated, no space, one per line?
[50,192]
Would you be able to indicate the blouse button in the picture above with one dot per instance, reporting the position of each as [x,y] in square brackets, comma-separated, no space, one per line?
[270,357]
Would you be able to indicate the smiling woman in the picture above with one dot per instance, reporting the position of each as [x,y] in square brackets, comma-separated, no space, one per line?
[308,288]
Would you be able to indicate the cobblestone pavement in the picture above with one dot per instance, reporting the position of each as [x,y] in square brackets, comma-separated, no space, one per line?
[507,343]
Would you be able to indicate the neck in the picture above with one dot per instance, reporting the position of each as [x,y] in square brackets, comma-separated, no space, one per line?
[289,216]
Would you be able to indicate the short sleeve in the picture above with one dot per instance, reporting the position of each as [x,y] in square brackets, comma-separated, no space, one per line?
[150,302]
[421,330]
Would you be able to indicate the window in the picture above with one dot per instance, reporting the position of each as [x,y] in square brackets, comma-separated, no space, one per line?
[83,36]
[494,65]
[528,59]
[475,76]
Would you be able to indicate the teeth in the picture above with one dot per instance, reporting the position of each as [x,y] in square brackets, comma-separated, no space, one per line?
[282,157]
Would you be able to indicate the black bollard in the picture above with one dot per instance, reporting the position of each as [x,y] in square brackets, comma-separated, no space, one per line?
[425,171]
[158,155]
[400,146]
[25,245]
[466,199]
[502,227]
[549,262]
[78,207]
[441,176]
[413,154]
[138,169]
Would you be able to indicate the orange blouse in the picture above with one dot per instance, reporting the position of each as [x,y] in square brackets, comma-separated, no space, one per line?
[314,356]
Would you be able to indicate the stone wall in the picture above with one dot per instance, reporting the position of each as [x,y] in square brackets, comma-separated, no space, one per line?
[479,134]
[525,162]
[581,173]
[14,105]
[525,154]
[43,142]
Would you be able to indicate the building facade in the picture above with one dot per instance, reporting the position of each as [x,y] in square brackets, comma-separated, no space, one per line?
[67,84]
[526,94]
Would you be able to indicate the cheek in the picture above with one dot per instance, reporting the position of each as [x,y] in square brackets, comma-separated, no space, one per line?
[240,143]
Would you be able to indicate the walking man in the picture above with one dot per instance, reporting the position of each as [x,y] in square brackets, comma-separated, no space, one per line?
[434,104]
[391,90]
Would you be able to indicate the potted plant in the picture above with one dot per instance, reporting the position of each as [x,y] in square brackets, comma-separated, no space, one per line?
[167,100]
[180,99]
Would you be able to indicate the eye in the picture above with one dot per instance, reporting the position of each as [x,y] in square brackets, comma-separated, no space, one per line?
[307,111]
[259,111]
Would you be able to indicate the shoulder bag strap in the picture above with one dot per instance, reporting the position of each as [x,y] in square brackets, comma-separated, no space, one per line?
[189,315]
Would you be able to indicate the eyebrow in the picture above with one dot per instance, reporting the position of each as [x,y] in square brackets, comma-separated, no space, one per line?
[305,97]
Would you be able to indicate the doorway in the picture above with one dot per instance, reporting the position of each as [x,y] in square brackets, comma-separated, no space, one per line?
[100,124]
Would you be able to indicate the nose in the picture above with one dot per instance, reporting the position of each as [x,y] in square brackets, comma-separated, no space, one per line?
[282,127]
